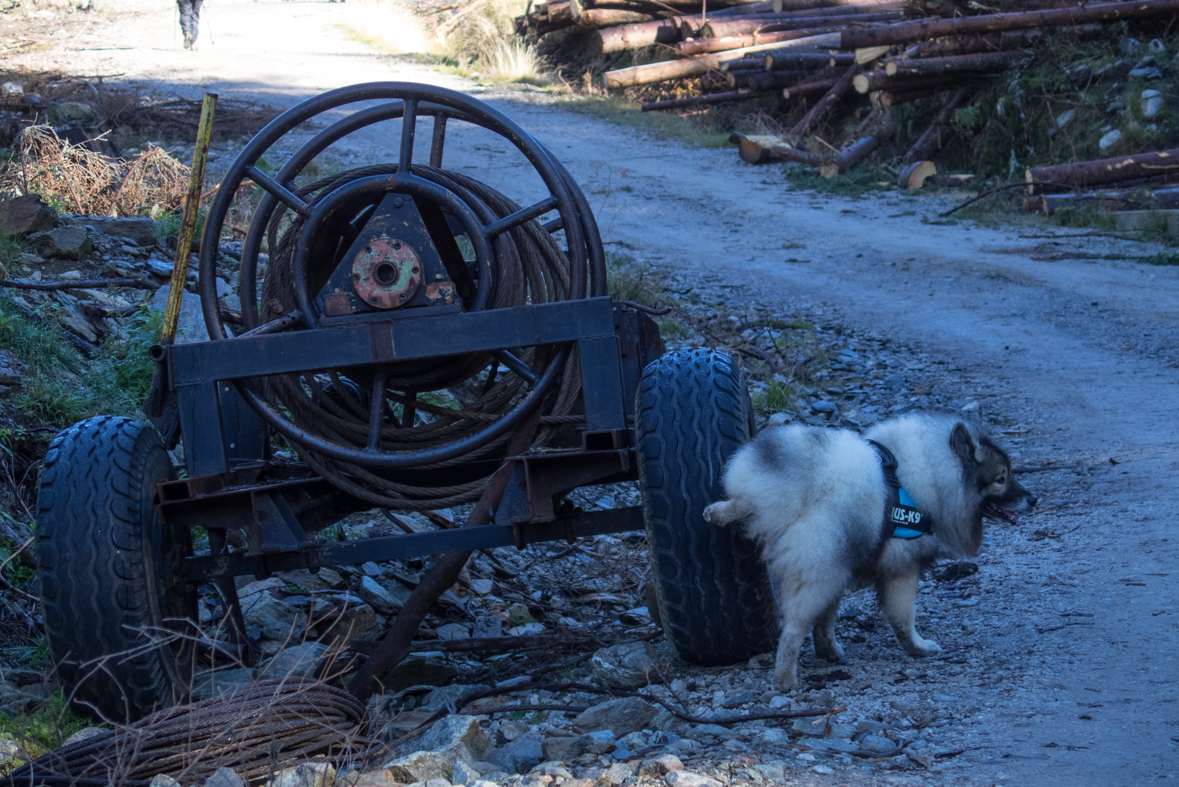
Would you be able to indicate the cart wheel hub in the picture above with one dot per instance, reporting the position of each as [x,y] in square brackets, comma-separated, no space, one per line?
[386,273]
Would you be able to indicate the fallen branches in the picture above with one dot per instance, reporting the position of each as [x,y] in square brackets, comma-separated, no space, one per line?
[78,284]
[90,182]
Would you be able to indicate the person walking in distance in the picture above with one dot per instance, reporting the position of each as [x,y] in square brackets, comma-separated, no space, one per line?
[190,12]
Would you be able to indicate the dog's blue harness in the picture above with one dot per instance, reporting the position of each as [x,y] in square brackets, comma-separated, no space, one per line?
[902,518]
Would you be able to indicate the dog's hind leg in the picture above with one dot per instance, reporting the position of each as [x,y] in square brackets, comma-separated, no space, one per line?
[898,599]
[807,598]
[726,512]
[826,645]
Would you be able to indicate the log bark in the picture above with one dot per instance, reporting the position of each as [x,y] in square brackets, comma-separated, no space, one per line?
[693,66]
[1163,199]
[848,157]
[809,88]
[988,42]
[1102,171]
[878,80]
[787,60]
[907,32]
[704,45]
[955,64]
[823,106]
[751,63]
[773,80]
[597,18]
[894,98]
[636,36]
[995,42]
[739,78]
[739,27]
[696,101]
[931,140]
[766,149]
[914,175]
[807,5]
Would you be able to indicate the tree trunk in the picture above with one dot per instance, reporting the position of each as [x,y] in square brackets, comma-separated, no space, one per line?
[848,157]
[738,79]
[696,101]
[925,29]
[765,149]
[636,36]
[1163,199]
[703,45]
[1101,171]
[739,27]
[994,42]
[878,80]
[955,64]
[914,175]
[787,60]
[751,63]
[931,140]
[773,80]
[595,18]
[887,99]
[693,66]
[824,105]
[809,88]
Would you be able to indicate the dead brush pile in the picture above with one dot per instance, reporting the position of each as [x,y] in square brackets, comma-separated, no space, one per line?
[81,180]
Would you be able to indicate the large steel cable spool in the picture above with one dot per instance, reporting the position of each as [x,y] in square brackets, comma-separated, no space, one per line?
[385,242]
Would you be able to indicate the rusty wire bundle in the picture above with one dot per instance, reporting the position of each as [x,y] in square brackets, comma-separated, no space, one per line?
[92,183]
[259,731]
[468,392]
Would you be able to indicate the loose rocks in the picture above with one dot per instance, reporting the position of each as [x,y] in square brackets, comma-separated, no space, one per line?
[626,666]
[621,716]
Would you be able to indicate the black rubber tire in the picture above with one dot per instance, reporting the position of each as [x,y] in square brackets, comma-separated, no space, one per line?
[105,563]
[714,595]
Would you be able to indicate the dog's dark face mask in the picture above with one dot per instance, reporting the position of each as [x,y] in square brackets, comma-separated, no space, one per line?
[987,468]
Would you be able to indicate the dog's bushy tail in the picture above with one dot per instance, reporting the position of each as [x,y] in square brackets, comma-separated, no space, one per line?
[796,472]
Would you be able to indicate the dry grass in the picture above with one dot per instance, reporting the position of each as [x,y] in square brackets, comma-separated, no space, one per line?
[481,37]
[78,179]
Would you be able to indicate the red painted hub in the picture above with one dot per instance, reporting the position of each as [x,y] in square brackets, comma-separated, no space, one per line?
[386,273]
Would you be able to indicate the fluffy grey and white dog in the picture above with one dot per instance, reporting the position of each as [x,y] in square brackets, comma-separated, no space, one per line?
[816,501]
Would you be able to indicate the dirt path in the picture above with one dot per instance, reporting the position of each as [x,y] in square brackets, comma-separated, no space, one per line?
[1074,677]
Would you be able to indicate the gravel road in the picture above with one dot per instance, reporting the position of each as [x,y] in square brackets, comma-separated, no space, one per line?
[1071,676]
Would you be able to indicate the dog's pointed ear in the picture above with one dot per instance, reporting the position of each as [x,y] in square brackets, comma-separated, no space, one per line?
[961,444]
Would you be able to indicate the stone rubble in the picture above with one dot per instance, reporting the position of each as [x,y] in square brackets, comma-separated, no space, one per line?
[901,715]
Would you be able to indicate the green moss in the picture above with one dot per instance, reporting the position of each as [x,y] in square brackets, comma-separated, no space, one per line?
[864,179]
[42,730]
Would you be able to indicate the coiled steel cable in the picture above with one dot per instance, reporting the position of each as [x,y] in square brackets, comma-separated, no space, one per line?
[529,268]
[258,731]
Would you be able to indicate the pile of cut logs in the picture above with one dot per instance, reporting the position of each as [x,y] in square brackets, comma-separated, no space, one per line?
[818,55]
